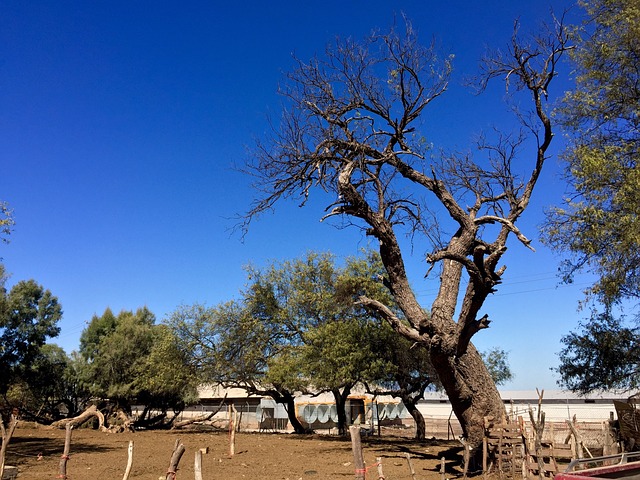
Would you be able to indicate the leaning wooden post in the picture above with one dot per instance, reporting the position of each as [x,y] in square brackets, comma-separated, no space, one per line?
[6,436]
[127,472]
[65,454]
[175,460]
[356,447]
[411,469]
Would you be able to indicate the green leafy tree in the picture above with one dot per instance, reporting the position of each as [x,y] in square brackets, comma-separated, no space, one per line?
[339,355]
[263,343]
[599,225]
[164,378]
[46,390]
[497,362]
[129,359]
[407,373]
[351,129]
[29,315]
[603,355]
[230,346]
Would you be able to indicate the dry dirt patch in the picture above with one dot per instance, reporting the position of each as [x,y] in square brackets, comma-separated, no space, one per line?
[96,455]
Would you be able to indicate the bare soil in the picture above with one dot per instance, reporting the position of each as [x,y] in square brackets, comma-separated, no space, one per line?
[97,455]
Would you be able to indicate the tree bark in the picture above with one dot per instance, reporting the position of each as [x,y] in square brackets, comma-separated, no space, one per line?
[471,391]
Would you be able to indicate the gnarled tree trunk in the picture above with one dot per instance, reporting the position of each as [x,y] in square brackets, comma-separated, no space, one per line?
[471,391]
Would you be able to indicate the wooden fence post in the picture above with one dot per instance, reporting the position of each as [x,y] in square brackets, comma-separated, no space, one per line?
[411,469]
[127,472]
[175,460]
[356,447]
[379,465]
[233,418]
[65,454]
[197,466]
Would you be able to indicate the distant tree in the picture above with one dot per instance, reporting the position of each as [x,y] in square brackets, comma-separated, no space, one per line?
[164,377]
[497,362]
[604,355]
[231,347]
[408,374]
[339,355]
[29,315]
[45,390]
[296,329]
[599,223]
[128,359]
[113,346]
[351,129]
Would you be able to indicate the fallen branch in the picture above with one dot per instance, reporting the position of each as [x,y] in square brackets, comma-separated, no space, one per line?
[202,418]
[121,423]
[90,412]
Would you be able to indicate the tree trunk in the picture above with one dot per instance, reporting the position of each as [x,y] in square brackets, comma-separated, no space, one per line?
[341,403]
[421,428]
[289,401]
[471,391]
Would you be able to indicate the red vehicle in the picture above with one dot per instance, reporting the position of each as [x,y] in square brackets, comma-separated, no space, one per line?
[625,466]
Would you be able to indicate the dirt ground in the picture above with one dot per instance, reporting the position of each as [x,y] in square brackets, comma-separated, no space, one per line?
[95,455]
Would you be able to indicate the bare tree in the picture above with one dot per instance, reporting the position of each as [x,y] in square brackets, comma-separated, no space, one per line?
[351,128]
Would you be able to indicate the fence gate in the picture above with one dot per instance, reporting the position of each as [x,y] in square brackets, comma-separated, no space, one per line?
[503,450]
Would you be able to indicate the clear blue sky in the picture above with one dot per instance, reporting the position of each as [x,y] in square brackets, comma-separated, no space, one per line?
[120,124]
